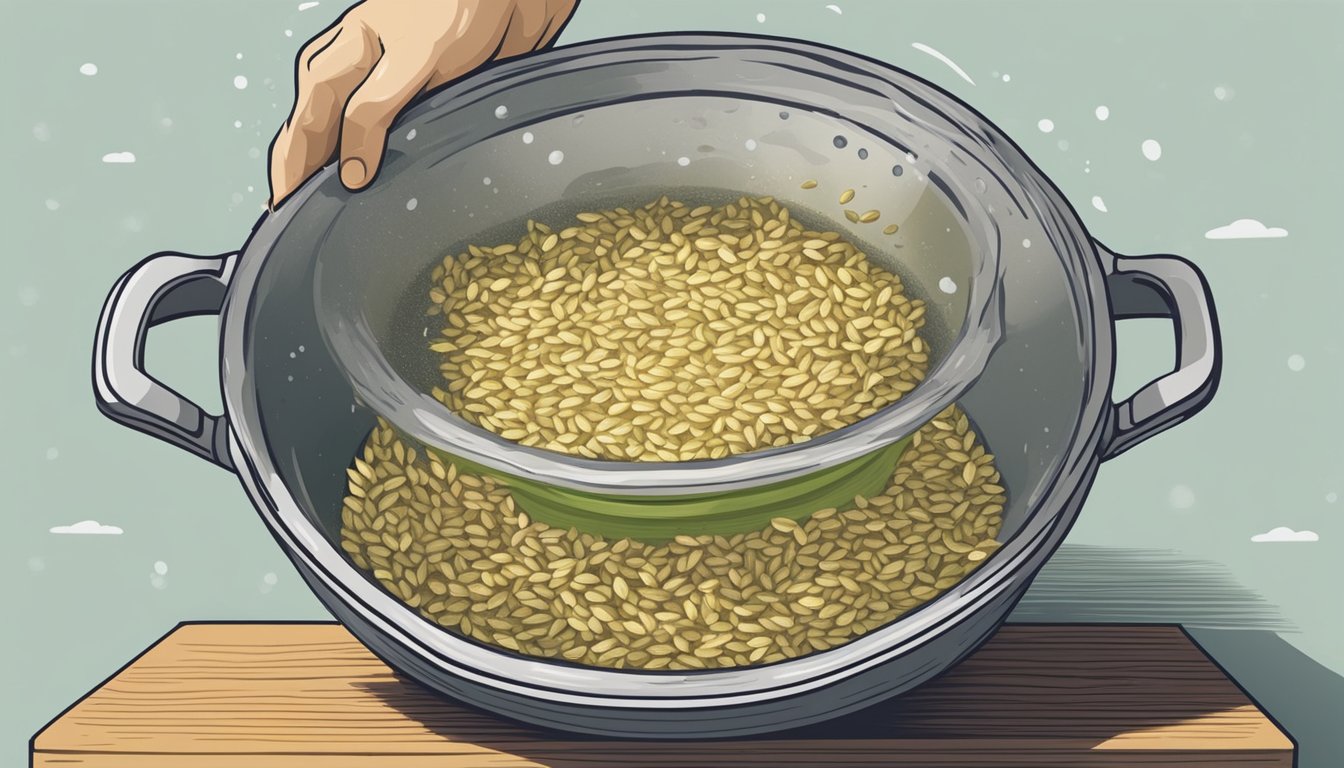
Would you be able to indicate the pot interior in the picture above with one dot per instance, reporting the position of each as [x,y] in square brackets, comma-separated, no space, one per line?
[343,260]
[1026,406]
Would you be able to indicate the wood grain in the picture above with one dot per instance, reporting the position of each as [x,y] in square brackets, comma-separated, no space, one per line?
[305,695]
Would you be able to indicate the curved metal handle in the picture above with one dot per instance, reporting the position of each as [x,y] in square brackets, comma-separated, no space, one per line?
[1167,287]
[163,287]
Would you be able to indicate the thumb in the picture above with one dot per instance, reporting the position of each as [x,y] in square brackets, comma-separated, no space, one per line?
[369,114]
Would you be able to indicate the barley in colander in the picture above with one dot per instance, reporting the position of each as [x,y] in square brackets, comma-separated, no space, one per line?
[673,333]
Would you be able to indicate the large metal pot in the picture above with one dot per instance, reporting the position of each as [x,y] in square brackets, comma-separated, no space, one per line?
[291,423]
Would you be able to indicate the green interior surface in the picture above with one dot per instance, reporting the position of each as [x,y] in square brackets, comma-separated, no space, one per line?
[655,519]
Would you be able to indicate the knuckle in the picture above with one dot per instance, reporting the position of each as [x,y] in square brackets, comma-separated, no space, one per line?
[307,120]
[314,56]
[328,56]
[311,48]
[321,69]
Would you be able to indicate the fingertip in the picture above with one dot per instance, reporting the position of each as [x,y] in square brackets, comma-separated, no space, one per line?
[354,173]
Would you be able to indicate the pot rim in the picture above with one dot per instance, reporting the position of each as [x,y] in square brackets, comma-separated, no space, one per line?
[1048,517]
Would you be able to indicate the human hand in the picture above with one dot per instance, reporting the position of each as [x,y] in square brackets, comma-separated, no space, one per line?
[354,78]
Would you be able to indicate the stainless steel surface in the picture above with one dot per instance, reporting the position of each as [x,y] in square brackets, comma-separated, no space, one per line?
[161,288]
[1042,404]
[1174,290]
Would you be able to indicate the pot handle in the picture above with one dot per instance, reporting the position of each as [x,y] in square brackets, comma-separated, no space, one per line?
[163,287]
[1167,287]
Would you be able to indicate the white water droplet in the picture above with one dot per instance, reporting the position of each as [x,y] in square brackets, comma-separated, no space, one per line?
[683,161]
[501,112]
[556,157]
[1006,77]
[486,181]
[52,205]
[942,57]
[410,135]
[1222,92]
[1098,203]
[270,579]
[161,568]
[53,454]
[237,123]
[750,145]
[238,56]
[1151,149]
[947,285]
[88,69]
[1103,112]
[834,8]
[1296,363]
[411,204]
[1046,125]
[528,138]
[1026,243]
[1181,497]
[239,82]
[760,18]
[289,33]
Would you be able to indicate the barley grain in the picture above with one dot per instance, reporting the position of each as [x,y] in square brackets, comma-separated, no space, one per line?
[468,560]
[551,314]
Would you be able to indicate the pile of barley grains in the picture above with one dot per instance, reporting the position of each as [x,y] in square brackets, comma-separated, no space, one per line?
[672,333]
[455,547]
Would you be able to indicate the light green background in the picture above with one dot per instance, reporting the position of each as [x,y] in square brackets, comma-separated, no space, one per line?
[1265,454]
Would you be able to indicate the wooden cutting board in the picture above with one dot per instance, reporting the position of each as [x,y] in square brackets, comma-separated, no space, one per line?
[309,695]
